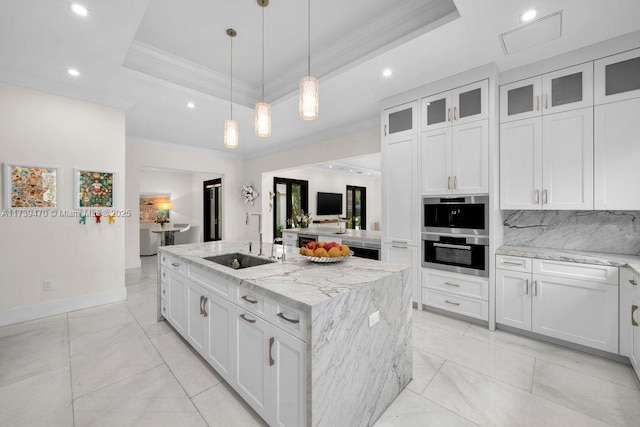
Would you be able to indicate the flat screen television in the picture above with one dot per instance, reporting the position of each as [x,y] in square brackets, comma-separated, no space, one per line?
[329,204]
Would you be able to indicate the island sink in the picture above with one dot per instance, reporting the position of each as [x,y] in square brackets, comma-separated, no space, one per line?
[244,260]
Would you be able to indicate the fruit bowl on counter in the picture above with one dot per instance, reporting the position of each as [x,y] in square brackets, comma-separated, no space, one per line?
[325,252]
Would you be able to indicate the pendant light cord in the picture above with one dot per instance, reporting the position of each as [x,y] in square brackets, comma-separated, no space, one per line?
[231,81]
[309,37]
[263,54]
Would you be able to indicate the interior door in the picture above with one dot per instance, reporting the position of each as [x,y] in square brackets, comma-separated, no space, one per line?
[291,199]
[356,207]
[212,203]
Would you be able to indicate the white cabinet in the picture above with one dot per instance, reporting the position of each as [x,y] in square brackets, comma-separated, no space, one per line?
[547,163]
[630,317]
[196,317]
[458,106]
[458,293]
[568,301]
[562,90]
[219,327]
[400,120]
[455,159]
[617,154]
[290,239]
[177,302]
[399,253]
[617,77]
[288,379]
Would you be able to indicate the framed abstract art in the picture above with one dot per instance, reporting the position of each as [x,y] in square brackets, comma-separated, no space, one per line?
[94,189]
[27,186]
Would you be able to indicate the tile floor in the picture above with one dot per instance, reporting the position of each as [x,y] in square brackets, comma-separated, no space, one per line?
[114,365]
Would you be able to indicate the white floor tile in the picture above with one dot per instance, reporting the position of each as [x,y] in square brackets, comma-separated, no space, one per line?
[604,400]
[109,356]
[412,410]
[492,403]
[427,320]
[152,398]
[96,319]
[34,347]
[499,363]
[425,367]
[40,400]
[596,366]
[193,373]
[222,407]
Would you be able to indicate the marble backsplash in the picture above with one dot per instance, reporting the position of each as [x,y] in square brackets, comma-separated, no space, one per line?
[615,232]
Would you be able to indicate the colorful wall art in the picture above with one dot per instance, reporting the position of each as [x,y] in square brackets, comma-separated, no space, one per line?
[149,206]
[94,189]
[30,186]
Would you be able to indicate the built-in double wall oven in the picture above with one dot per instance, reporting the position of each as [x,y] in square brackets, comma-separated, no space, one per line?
[455,234]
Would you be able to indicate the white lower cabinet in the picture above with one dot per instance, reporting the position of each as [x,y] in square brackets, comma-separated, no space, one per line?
[400,253]
[578,303]
[457,293]
[630,317]
[258,348]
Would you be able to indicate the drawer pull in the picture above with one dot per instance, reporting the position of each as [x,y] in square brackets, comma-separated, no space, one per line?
[175,264]
[271,361]
[452,284]
[633,282]
[204,306]
[526,286]
[535,288]
[452,303]
[201,301]
[246,319]
[283,317]
[250,301]
[634,322]
[519,264]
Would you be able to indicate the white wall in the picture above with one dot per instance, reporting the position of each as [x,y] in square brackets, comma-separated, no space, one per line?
[85,262]
[178,184]
[205,164]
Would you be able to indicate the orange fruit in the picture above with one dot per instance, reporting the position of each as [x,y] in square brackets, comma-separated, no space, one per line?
[345,250]
[321,244]
[321,253]
[334,252]
[309,252]
[303,251]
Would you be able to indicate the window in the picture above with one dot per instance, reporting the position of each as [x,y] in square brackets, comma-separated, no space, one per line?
[356,207]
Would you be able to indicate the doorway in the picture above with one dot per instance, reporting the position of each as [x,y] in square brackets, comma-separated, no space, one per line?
[212,202]
[356,207]
[291,199]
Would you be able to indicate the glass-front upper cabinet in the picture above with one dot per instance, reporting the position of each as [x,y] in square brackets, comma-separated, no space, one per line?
[400,120]
[458,106]
[617,77]
[567,89]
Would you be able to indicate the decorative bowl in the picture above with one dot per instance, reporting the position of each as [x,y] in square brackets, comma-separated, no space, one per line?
[327,259]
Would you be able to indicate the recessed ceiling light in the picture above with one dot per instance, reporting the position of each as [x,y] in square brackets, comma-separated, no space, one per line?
[73,72]
[350,170]
[191,105]
[387,72]
[330,167]
[528,15]
[79,9]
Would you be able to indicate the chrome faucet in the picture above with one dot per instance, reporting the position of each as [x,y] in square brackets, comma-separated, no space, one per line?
[246,221]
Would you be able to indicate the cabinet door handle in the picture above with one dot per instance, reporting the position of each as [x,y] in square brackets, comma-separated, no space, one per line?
[634,309]
[545,199]
[204,306]
[271,361]
[526,286]
[537,197]
[385,130]
[455,113]
[546,101]
[283,317]
[448,183]
[452,284]
[399,247]
[247,319]
[448,114]
[201,301]
[519,264]
[250,301]
[452,303]
[455,182]
[175,264]
[633,282]
[537,102]
[535,288]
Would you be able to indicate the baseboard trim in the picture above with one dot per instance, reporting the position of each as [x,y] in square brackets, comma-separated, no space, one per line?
[52,308]
[133,264]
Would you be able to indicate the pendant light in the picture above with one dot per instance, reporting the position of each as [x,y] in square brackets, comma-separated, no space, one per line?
[263,109]
[230,125]
[308,98]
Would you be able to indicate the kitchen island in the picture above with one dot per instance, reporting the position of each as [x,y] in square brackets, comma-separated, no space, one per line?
[302,343]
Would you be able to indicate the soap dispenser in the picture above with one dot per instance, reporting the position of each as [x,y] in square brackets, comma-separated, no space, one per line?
[235,264]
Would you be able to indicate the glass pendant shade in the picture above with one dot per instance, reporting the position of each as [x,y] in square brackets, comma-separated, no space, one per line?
[230,133]
[263,119]
[308,99]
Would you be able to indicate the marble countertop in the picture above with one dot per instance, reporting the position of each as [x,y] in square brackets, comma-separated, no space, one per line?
[365,237]
[599,258]
[297,282]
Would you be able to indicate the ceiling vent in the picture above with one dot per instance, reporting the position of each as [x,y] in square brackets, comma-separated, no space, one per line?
[533,34]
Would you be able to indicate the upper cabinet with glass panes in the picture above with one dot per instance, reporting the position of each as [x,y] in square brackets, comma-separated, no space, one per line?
[400,120]
[567,89]
[458,106]
[617,77]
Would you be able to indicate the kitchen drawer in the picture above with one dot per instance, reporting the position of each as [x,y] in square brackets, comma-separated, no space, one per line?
[459,284]
[574,270]
[251,301]
[456,304]
[513,263]
[173,263]
[289,319]
[210,281]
